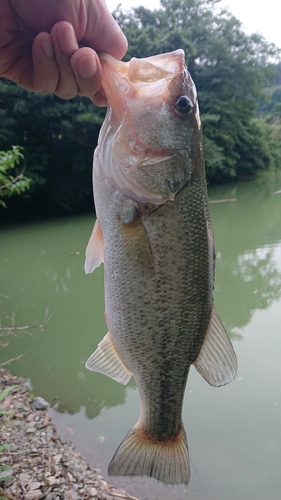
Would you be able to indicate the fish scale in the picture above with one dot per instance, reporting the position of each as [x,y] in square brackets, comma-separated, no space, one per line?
[153,233]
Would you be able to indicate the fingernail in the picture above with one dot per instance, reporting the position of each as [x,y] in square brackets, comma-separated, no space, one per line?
[86,67]
[67,39]
[47,47]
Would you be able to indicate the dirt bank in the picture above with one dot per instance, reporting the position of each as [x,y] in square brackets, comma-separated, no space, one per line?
[40,465]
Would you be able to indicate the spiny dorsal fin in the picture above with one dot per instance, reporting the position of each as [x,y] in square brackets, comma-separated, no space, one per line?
[216,361]
[94,250]
[105,360]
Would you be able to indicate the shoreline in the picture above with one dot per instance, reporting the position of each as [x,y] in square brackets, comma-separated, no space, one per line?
[40,465]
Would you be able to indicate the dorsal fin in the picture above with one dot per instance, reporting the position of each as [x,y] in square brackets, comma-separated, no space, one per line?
[94,250]
[216,361]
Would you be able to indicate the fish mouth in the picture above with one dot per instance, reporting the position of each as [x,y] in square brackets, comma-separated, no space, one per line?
[146,78]
[148,69]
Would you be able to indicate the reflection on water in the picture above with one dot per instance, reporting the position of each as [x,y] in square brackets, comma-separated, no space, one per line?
[252,281]
[248,236]
[233,432]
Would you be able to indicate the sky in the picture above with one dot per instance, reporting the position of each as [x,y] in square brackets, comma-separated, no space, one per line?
[259,16]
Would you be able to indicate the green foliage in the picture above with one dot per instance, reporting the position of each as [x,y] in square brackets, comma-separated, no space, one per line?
[58,138]
[229,69]
[6,471]
[270,105]
[269,123]
[11,180]
[270,132]
[5,392]
[4,447]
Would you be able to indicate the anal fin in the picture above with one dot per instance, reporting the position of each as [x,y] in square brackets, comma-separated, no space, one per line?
[105,360]
[94,250]
[216,361]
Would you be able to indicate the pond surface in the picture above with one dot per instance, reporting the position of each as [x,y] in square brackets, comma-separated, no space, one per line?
[234,431]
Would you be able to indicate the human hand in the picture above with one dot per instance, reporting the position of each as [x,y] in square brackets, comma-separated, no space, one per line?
[39,44]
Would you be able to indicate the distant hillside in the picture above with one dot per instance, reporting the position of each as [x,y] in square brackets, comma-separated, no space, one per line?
[271,104]
[277,79]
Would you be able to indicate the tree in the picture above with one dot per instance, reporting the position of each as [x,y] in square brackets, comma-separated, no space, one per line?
[58,138]
[228,67]
[12,180]
[269,123]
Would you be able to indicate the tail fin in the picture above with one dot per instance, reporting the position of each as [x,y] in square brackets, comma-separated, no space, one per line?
[140,454]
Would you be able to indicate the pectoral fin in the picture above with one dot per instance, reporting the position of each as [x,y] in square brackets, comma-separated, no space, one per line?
[94,250]
[216,361]
[106,360]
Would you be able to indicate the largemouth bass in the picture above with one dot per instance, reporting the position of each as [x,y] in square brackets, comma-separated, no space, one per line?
[154,234]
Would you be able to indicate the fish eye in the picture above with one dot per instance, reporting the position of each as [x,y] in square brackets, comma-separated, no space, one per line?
[183,104]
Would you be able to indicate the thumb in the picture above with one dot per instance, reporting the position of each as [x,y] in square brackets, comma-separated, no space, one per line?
[103,33]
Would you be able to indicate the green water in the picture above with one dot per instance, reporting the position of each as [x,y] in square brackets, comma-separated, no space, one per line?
[233,432]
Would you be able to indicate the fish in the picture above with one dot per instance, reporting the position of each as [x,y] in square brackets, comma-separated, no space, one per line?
[153,233]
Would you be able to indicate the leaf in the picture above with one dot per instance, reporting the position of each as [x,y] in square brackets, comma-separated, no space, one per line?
[6,391]
[6,472]
[4,447]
